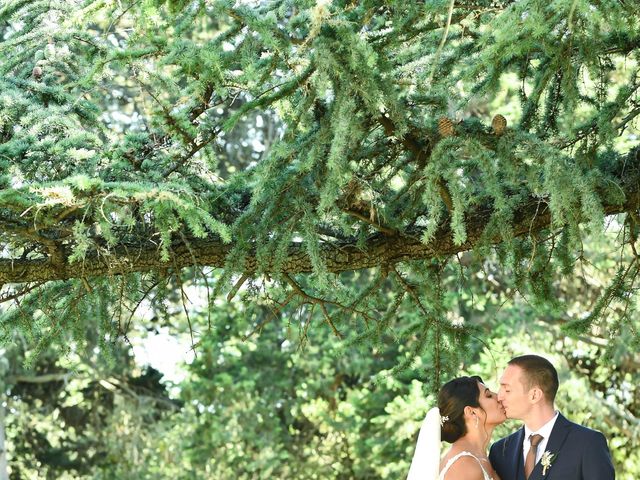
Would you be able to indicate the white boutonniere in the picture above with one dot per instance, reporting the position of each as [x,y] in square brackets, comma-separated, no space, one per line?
[545,461]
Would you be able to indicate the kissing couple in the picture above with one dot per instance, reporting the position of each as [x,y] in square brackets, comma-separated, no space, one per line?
[548,446]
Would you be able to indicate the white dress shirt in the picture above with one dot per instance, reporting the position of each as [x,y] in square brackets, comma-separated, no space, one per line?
[545,431]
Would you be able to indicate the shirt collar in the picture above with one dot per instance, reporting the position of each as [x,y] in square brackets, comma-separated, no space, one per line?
[545,430]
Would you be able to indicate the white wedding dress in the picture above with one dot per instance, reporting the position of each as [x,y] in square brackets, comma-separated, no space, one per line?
[425,464]
[463,454]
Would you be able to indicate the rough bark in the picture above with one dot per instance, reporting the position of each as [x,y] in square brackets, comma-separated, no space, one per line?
[381,248]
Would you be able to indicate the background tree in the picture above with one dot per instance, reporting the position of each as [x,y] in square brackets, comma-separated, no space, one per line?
[82,415]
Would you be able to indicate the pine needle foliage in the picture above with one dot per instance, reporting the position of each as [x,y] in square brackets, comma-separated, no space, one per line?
[296,143]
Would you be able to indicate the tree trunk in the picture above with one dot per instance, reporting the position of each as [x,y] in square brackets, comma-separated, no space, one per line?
[4,470]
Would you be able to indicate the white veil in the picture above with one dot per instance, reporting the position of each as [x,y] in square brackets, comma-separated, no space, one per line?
[426,459]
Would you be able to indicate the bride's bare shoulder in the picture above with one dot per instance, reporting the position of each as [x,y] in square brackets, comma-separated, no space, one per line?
[464,468]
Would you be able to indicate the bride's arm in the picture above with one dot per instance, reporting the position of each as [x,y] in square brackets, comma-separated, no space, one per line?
[493,474]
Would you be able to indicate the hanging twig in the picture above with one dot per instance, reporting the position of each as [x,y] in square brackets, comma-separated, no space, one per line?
[135,308]
[243,278]
[274,316]
[314,300]
[377,226]
[204,277]
[304,337]
[20,293]
[183,296]
[410,290]
[442,42]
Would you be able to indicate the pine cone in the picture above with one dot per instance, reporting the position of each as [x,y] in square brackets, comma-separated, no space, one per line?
[499,124]
[445,127]
[351,193]
[37,72]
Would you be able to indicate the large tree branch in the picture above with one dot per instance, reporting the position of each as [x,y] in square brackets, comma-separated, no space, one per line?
[381,249]
[46,378]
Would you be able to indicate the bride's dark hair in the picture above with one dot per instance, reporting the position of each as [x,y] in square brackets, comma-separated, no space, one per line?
[453,397]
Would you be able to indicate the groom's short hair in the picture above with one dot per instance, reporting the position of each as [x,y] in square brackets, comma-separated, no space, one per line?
[538,372]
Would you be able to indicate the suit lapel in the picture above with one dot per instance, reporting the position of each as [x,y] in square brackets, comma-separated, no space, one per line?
[514,455]
[556,440]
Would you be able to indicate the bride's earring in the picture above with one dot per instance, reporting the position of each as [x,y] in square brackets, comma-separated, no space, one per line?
[476,419]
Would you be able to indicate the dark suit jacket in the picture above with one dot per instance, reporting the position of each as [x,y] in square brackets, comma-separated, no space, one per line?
[581,454]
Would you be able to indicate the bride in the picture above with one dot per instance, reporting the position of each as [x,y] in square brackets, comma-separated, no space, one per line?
[466,415]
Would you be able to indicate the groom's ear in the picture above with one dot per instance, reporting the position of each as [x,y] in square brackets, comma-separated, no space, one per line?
[535,395]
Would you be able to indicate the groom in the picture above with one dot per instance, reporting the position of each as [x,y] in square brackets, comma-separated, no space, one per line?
[548,446]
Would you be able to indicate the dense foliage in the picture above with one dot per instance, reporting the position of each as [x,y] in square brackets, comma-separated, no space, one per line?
[283,138]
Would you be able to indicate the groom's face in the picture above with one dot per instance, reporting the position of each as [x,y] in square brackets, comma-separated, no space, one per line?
[512,393]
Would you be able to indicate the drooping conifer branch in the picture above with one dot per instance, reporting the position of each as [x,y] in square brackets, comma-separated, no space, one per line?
[304,138]
[380,249]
